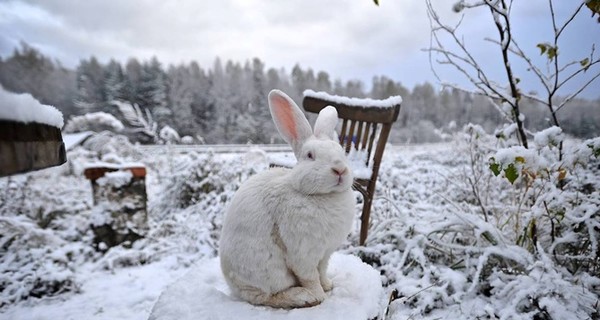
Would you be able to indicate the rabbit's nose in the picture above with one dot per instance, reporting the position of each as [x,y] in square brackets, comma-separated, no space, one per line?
[338,171]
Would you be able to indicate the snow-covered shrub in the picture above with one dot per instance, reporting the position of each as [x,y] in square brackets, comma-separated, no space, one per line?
[452,240]
[194,177]
[533,202]
[187,140]
[169,135]
[34,262]
[141,122]
[113,148]
[96,121]
[558,199]
[45,235]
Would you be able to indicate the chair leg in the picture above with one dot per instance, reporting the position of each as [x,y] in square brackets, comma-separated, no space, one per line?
[364,218]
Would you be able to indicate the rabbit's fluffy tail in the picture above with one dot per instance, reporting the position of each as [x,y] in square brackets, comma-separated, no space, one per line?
[294,297]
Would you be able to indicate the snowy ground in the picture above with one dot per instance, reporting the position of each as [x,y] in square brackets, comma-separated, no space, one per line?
[45,239]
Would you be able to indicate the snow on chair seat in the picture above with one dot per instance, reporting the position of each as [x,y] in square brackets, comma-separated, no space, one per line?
[203,294]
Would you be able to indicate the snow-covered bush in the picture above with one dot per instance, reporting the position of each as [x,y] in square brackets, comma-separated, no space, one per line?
[169,135]
[35,262]
[109,147]
[455,241]
[141,122]
[187,140]
[558,200]
[43,234]
[96,121]
[193,177]
[45,218]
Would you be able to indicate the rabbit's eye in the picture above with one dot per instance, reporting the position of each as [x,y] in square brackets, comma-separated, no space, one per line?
[310,156]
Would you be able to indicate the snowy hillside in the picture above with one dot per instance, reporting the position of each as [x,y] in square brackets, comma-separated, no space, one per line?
[435,249]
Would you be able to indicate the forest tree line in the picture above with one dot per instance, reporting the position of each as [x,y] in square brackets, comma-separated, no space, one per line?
[226,102]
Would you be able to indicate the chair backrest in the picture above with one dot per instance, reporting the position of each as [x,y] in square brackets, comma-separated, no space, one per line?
[363,127]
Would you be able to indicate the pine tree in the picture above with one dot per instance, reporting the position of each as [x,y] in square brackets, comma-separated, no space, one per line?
[91,96]
[152,92]
[114,82]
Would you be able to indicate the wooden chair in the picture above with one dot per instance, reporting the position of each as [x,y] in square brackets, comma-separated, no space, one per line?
[366,126]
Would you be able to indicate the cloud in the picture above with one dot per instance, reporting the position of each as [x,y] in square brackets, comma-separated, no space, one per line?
[348,39]
[278,32]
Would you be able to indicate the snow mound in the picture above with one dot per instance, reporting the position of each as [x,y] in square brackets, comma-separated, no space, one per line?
[203,294]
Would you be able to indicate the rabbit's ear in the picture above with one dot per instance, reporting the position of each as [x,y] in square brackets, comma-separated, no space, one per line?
[289,120]
[326,122]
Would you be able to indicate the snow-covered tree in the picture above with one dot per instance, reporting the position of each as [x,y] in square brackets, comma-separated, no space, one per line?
[133,78]
[114,81]
[169,135]
[90,85]
[152,93]
[181,97]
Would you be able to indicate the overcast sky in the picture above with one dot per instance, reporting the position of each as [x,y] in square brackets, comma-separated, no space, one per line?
[350,39]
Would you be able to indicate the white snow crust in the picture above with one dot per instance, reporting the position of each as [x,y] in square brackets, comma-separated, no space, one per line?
[203,294]
[116,179]
[25,108]
[110,165]
[355,102]
[428,238]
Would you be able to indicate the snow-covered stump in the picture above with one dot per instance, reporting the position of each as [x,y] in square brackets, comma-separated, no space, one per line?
[119,214]
[203,294]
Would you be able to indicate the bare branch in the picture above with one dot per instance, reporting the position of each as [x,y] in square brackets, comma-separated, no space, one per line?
[521,54]
[580,70]
[576,93]
[483,84]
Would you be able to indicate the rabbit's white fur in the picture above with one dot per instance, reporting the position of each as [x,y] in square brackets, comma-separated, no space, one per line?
[282,225]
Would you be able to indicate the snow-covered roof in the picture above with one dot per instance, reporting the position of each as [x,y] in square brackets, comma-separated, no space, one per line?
[25,108]
[73,139]
[355,102]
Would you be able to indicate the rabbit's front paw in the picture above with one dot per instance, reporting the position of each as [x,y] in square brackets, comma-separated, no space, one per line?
[326,284]
[308,297]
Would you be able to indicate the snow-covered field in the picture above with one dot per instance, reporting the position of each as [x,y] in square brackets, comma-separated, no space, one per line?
[436,251]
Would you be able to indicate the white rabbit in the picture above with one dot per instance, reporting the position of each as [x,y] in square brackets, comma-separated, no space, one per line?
[282,225]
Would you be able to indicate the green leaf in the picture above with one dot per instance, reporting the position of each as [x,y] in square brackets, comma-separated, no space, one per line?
[547,49]
[495,167]
[376,2]
[594,6]
[542,47]
[552,53]
[488,236]
[519,159]
[511,173]
[585,63]
[595,151]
